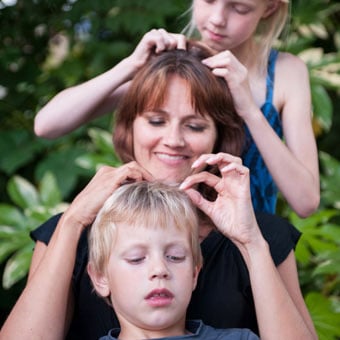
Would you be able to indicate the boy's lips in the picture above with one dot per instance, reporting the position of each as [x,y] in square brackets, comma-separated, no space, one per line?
[159,298]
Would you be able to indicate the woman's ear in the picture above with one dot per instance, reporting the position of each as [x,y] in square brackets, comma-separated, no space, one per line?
[100,281]
[272,6]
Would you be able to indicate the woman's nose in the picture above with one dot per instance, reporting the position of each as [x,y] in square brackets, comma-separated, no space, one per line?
[174,138]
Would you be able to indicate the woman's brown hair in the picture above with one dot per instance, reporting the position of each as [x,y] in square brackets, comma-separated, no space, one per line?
[209,96]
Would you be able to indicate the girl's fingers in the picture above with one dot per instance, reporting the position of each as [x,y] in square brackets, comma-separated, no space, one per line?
[181,41]
[168,41]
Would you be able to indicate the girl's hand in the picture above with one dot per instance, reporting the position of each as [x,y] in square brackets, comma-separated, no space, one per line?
[232,211]
[227,66]
[156,41]
[88,202]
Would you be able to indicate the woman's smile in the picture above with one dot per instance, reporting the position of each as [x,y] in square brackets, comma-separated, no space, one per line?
[169,138]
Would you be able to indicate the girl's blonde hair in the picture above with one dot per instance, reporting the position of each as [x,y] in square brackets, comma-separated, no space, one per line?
[268,30]
[146,205]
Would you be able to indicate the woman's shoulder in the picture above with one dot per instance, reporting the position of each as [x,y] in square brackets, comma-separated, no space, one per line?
[45,231]
[281,235]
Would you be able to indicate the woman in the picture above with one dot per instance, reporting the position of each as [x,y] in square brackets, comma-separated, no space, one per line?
[169,128]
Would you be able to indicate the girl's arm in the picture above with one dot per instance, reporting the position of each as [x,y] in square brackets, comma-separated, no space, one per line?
[44,309]
[294,162]
[280,308]
[79,104]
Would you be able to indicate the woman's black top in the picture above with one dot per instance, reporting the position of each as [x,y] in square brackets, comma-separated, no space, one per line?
[222,298]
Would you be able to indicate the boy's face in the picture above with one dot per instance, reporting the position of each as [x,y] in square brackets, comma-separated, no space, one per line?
[150,277]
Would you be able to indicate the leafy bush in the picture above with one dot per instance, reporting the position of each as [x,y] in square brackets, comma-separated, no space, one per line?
[36,175]
[31,207]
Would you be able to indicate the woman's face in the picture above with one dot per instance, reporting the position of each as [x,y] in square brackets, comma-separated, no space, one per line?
[169,138]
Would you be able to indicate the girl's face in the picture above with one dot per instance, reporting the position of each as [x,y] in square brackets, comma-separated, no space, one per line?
[169,138]
[228,24]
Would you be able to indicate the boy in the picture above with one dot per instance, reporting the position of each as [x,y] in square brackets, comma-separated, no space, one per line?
[145,256]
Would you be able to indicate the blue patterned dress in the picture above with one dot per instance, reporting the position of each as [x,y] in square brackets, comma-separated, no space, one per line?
[262,187]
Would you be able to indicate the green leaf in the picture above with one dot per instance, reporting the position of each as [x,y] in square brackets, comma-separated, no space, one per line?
[93,161]
[62,164]
[10,215]
[7,248]
[102,140]
[7,232]
[322,106]
[17,266]
[22,192]
[25,148]
[325,319]
[328,263]
[330,179]
[49,191]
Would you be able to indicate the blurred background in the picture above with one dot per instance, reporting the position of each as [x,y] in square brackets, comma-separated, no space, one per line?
[46,46]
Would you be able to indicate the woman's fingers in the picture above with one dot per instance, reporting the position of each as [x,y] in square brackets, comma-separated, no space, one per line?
[107,179]
[202,177]
[220,159]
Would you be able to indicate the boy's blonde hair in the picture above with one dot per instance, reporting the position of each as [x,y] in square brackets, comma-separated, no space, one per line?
[147,205]
[268,30]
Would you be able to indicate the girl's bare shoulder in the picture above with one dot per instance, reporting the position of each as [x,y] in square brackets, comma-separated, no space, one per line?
[291,78]
[290,65]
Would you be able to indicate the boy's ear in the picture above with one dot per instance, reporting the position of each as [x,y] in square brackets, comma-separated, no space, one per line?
[197,270]
[100,281]
[272,6]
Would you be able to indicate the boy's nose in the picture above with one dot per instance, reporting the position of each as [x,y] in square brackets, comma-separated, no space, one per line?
[159,270]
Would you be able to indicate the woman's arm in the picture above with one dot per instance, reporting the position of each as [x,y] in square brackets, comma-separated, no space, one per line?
[294,162]
[41,310]
[280,309]
[44,309]
[79,104]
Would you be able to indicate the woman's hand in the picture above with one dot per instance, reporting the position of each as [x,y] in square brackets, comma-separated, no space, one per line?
[88,202]
[232,211]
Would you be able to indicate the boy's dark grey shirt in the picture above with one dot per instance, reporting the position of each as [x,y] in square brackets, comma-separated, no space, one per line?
[200,331]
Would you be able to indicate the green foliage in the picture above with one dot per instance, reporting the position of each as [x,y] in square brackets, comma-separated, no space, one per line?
[31,207]
[102,154]
[46,46]
[330,179]
[318,254]
[325,320]
[312,36]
